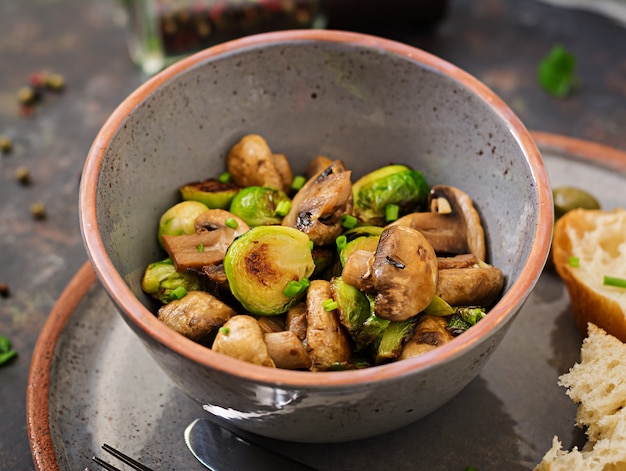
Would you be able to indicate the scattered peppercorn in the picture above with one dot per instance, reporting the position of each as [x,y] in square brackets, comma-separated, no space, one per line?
[55,82]
[27,95]
[22,175]
[5,292]
[6,144]
[38,210]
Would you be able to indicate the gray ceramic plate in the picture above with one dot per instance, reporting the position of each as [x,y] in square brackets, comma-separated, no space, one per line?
[92,382]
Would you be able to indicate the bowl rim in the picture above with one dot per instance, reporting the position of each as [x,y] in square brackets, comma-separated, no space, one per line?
[142,318]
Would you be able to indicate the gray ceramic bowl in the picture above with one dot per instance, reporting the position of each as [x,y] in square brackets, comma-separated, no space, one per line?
[364,100]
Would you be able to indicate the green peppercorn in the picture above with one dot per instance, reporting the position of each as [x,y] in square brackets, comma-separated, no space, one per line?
[38,210]
[22,175]
[6,144]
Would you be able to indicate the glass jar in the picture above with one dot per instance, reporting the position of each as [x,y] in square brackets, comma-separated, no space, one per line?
[163,31]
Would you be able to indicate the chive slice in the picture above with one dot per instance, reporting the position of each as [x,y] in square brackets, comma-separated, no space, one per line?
[311,245]
[341,242]
[614,281]
[330,304]
[200,248]
[178,293]
[283,208]
[224,330]
[348,221]
[294,288]
[231,222]
[225,177]
[392,211]
[298,182]
[574,262]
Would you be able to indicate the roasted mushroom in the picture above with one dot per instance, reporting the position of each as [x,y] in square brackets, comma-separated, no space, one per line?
[326,341]
[452,226]
[208,245]
[429,334]
[287,350]
[197,315]
[402,273]
[476,285]
[241,337]
[318,207]
[252,163]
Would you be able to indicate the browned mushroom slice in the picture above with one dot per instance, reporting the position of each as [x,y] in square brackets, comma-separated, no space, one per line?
[479,285]
[325,342]
[252,163]
[317,165]
[287,350]
[452,226]
[296,320]
[208,245]
[458,261]
[271,323]
[402,273]
[196,316]
[429,334]
[317,208]
[241,337]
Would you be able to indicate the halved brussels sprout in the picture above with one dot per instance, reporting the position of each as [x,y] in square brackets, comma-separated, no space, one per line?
[211,192]
[353,306]
[260,205]
[393,339]
[360,238]
[162,281]
[261,263]
[180,218]
[396,185]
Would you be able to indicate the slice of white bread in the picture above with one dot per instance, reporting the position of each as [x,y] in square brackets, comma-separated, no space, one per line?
[597,239]
[598,384]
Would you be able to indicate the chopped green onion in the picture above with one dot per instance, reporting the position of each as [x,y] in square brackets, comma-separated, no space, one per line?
[557,72]
[178,293]
[471,315]
[574,262]
[283,208]
[298,182]
[5,344]
[348,221]
[225,177]
[341,242]
[200,247]
[614,281]
[294,288]
[330,304]
[392,211]
[6,356]
[224,330]
[231,222]
[311,245]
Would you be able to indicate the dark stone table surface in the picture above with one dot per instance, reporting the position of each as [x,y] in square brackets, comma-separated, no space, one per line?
[499,41]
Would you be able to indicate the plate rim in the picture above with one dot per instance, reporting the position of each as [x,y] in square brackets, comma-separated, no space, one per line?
[38,386]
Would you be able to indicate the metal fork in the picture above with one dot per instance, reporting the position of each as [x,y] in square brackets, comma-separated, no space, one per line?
[134,464]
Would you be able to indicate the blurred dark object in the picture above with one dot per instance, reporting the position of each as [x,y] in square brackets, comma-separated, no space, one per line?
[356,14]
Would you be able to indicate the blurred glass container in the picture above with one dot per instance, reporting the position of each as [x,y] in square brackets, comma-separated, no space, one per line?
[161,32]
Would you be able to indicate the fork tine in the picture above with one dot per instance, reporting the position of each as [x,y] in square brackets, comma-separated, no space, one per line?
[104,464]
[125,459]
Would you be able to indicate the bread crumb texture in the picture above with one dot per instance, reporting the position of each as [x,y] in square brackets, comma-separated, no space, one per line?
[597,239]
[598,385]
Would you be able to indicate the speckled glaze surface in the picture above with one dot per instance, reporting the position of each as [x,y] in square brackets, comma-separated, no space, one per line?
[358,98]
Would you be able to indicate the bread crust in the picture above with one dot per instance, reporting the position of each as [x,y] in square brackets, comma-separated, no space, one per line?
[582,233]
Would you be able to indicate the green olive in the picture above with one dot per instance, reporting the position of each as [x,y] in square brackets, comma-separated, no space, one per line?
[567,198]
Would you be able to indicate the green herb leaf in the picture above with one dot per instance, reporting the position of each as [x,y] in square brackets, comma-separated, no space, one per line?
[556,72]
[614,281]
[574,262]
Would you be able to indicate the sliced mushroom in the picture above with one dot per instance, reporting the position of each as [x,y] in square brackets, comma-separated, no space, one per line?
[196,316]
[317,165]
[402,273]
[458,261]
[287,350]
[325,342]
[452,226]
[296,320]
[252,163]
[318,207]
[478,285]
[241,337]
[271,323]
[208,245]
[429,334]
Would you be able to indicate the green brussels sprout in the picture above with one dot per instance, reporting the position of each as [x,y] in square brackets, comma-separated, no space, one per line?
[396,185]
[265,264]
[353,307]
[180,218]
[212,192]
[162,281]
[360,238]
[393,339]
[260,205]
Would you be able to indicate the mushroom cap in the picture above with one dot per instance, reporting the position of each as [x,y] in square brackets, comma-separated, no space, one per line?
[404,273]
